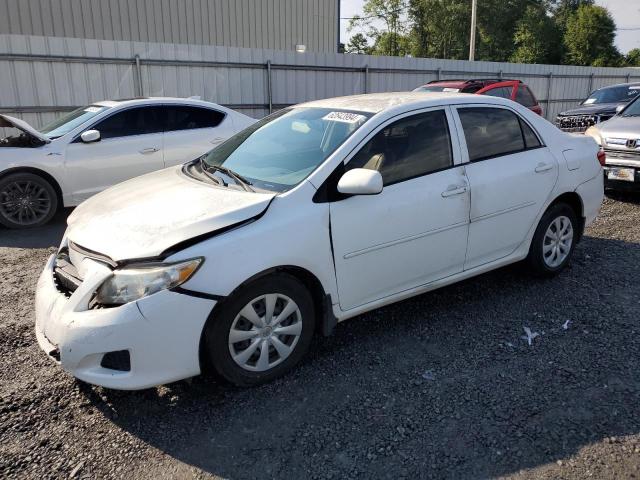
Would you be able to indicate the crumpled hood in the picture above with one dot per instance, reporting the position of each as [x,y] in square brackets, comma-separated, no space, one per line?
[7,121]
[145,216]
[592,109]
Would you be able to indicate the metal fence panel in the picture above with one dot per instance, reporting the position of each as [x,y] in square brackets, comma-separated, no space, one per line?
[40,77]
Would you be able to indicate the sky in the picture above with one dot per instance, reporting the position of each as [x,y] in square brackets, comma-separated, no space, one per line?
[626,14]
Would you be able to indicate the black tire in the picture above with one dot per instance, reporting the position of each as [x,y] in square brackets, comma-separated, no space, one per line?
[535,259]
[40,197]
[219,326]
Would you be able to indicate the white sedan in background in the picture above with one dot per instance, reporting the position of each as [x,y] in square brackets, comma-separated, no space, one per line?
[94,147]
[313,215]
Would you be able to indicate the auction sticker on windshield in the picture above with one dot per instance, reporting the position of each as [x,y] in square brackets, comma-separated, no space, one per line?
[346,117]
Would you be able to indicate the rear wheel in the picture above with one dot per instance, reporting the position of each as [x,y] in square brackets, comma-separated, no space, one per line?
[26,200]
[554,240]
[262,331]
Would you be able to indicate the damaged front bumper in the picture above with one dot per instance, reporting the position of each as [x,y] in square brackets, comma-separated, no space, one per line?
[141,344]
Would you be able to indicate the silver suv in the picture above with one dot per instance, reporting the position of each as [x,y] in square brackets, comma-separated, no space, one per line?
[619,137]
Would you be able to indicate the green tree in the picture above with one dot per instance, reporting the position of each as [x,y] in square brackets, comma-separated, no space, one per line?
[563,9]
[633,58]
[391,13]
[401,44]
[589,37]
[537,38]
[358,44]
[440,28]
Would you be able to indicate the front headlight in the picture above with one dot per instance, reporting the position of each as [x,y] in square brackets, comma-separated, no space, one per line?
[138,281]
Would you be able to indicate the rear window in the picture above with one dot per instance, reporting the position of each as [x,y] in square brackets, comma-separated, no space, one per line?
[525,97]
[502,92]
[188,118]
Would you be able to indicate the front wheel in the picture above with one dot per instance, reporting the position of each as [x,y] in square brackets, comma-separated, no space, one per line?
[262,331]
[26,200]
[553,241]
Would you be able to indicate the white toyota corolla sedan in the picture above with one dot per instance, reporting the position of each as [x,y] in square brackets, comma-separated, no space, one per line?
[313,215]
[91,148]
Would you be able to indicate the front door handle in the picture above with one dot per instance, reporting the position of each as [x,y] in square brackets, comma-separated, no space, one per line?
[543,167]
[149,150]
[454,190]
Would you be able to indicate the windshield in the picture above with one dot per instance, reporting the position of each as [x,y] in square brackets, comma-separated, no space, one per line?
[63,125]
[633,110]
[281,150]
[623,93]
[436,88]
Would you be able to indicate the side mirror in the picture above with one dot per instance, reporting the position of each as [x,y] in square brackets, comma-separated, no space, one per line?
[619,108]
[360,181]
[90,136]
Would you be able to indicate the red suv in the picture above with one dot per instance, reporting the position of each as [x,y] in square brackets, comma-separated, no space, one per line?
[512,89]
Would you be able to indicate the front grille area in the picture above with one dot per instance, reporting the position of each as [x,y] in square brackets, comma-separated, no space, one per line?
[65,275]
[119,360]
[614,154]
[579,123]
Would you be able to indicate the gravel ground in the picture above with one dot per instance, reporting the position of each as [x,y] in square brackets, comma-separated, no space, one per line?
[439,386]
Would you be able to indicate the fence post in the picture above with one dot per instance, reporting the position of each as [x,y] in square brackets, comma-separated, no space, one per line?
[366,79]
[500,74]
[549,79]
[628,77]
[590,85]
[269,92]
[137,80]
[439,73]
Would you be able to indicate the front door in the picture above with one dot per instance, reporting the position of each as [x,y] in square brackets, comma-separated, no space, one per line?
[511,175]
[415,230]
[130,145]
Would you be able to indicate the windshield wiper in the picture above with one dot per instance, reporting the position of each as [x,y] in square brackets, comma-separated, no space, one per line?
[239,179]
[218,180]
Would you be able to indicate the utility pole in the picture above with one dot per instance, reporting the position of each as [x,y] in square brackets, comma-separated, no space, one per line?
[472,40]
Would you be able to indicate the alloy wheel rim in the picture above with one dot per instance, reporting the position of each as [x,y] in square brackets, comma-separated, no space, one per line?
[557,241]
[24,202]
[265,332]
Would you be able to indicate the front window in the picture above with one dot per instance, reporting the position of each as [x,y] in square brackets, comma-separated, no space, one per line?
[281,150]
[633,110]
[623,93]
[63,125]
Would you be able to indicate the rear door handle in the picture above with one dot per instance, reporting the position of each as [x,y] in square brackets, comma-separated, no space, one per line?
[454,190]
[149,150]
[543,167]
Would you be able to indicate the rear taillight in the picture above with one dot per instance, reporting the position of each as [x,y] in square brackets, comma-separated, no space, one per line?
[602,157]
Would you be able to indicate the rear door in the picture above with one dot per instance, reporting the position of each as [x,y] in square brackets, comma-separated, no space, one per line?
[130,145]
[511,175]
[192,131]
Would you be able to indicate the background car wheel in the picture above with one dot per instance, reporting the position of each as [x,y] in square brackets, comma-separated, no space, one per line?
[262,331]
[554,240]
[26,200]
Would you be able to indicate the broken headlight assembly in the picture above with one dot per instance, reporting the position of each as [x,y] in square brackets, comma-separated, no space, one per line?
[138,281]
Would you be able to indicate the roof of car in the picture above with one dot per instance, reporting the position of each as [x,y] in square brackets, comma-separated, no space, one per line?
[377,102]
[630,84]
[151,100]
